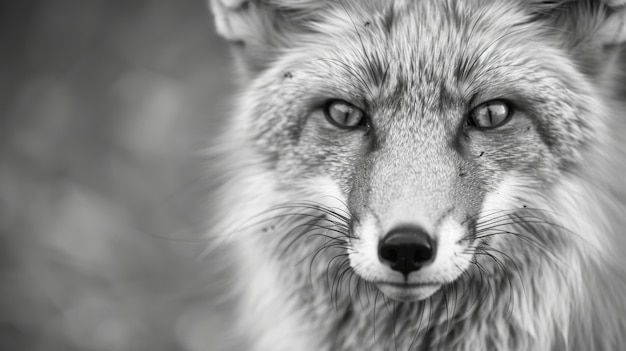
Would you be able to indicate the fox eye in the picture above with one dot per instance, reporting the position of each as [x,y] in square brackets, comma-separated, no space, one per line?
[490,114]
[344,115]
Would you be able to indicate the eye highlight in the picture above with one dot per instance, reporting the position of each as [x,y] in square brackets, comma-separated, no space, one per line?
[490,114]
[344,115]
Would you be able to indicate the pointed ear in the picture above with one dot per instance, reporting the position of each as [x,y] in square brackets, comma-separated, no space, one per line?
[611,25]
[603,21]
[614,28]
[259,29]
[594,31]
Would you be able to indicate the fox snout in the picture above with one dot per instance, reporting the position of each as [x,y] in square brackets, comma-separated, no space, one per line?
[413,208]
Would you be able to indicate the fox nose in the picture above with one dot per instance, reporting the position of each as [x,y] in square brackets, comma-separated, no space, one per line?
[406,249]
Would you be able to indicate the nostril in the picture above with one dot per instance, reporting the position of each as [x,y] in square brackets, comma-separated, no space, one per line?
[388,253]
[406,249]
[423,253]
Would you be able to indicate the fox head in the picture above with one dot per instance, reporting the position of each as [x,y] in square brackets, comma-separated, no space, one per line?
[434,138]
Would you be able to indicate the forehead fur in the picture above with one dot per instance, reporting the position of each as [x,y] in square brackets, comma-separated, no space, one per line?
[418,65]
[380,39]
[379,53]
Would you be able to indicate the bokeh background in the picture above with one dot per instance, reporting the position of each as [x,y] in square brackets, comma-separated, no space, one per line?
[105,107]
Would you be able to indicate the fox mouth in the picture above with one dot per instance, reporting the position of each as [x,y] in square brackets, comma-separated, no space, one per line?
[408,291]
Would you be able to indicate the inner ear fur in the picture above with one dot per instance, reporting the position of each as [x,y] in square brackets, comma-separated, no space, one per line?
[602,22]
[593,31]
[259,29]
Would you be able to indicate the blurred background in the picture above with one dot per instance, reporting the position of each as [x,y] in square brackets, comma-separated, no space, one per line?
[105,107]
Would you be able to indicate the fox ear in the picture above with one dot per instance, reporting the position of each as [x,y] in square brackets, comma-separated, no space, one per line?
[607,17]
[603,21]
[614,28]
[258,29]
[592,30]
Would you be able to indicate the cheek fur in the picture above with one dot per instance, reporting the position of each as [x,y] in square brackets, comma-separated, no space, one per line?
[325,150]
[516,148]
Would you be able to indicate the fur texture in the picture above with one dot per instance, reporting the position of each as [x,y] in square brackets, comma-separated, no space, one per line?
[528,217]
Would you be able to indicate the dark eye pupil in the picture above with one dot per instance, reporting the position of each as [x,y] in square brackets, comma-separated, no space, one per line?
[341,113]
[344,115]
[490,114]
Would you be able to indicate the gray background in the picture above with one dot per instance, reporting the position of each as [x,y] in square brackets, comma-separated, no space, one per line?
[105,106]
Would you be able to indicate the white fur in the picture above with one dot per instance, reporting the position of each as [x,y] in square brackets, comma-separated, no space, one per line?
[449,263]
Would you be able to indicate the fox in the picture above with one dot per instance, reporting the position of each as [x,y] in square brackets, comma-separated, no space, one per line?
[423,174]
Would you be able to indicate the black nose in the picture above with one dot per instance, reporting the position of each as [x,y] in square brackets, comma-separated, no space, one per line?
[406,249]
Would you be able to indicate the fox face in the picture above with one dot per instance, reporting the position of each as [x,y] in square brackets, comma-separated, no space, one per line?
[431,121]
[421,145]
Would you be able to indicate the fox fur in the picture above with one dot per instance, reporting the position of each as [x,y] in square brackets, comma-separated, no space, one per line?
[529,217]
